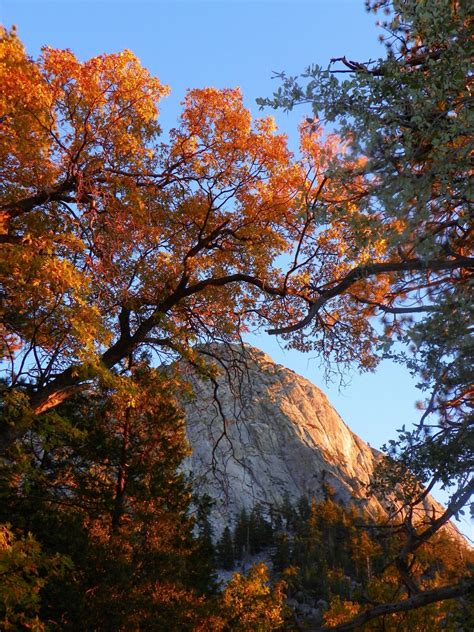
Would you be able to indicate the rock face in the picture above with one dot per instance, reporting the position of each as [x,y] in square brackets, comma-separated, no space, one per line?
[270,433]
[259,432]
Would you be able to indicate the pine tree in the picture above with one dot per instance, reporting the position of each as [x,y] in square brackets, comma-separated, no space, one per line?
[205,540]
[106,492]
[287,512]
[304,508]
[281,558]
[225,550]
[242,535]
[260,531]
[310,553]
[275,518]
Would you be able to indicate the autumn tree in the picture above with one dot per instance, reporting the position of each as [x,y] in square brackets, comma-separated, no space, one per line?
[406,120]
[118,245]
[121,249]
[25,569]
[115,243]
[339,558]
[250,603]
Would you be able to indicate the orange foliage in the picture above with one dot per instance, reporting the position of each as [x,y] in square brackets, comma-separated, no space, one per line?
[248,602]
[113,240]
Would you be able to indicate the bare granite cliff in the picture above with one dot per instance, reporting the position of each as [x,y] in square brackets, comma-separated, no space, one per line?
[259,432]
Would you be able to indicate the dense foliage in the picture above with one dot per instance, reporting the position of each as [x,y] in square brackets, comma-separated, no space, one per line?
[99,489]
[101,533]
[115,242]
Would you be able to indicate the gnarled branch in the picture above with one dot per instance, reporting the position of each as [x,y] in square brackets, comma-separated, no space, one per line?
[416,601]
[366,271]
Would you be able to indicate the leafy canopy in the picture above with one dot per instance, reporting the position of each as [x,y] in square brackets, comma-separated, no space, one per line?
[115,242]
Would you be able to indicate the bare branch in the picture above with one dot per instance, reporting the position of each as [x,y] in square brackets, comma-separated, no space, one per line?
[460,498]
[389,309]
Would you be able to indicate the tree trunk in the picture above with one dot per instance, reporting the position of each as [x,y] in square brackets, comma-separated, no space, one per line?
[119,502]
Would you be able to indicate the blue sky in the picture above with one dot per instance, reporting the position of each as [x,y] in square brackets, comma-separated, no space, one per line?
[197,43]
[227,43]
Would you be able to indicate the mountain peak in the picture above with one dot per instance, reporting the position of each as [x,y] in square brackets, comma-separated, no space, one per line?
[262,434]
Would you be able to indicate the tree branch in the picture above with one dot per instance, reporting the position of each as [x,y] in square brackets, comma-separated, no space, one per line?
[58,194]
[367,271]
[72,379]
[388,309]
[235,278]
[460,498]
[417,601]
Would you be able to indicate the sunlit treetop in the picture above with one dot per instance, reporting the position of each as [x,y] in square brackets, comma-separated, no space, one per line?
[116,241]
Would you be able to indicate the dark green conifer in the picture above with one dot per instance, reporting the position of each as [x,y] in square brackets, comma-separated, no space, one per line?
[225,551]
[287,512]
[104,489]
[242,535]
[260,531]
[281,558]
[304,508]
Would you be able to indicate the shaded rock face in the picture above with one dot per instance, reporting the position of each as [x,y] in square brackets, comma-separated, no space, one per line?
[271,433]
